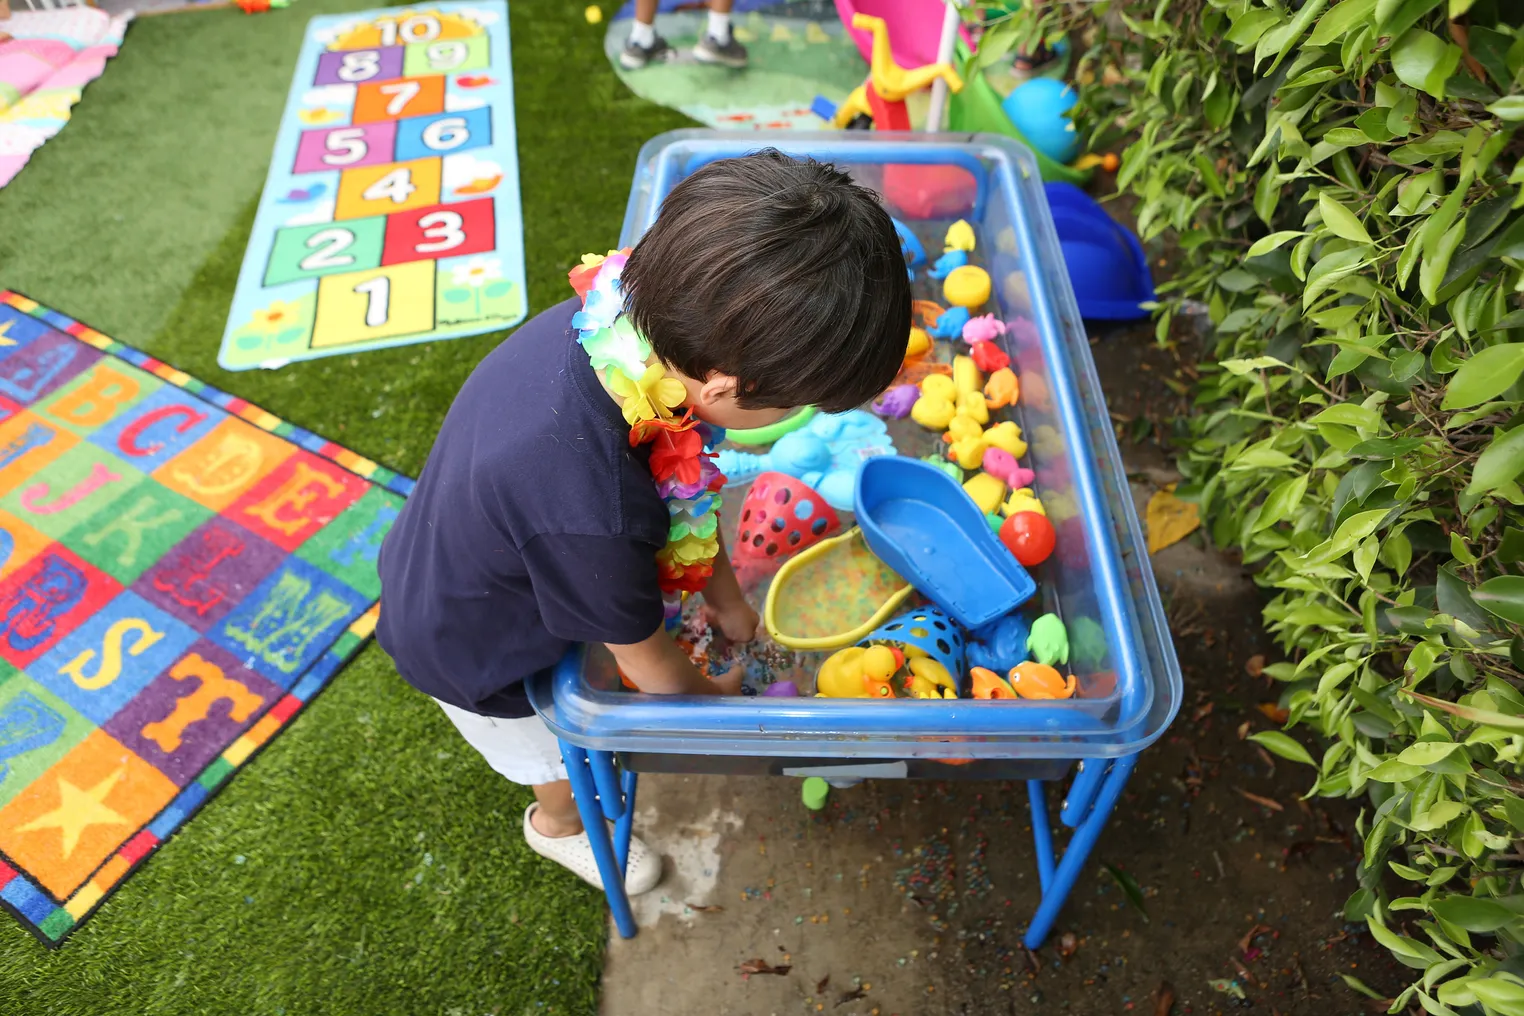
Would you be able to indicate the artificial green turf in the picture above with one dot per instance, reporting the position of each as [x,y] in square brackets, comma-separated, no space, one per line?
[367,863]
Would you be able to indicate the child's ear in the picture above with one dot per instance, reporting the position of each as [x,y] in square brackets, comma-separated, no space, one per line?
[716,389]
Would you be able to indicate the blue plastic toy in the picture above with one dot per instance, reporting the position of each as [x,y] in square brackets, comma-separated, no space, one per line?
[947,262]
[950,324]
[1040,110]
[1106,263]
[919,522]
[915,254]
[1000,645]
[931,631]
[826,453]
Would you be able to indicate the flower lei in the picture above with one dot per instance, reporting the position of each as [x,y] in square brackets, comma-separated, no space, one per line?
[682,459]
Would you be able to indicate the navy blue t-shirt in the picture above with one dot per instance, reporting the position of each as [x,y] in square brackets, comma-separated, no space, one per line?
[534,525]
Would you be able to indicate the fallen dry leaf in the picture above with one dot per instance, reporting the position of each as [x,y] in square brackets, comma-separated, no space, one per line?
[1164,999]
[761,967]
[1203,712]
[1244,943]
[1169,519]
[1274,713]
[851,996]
[1067,944]
[822,984]
[1264,802]
[701,908]
[1254,666]
[1243,730]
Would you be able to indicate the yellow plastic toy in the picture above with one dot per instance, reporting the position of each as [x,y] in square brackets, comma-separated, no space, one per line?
[1007,437]
[968,452]
[960,236]
[966,376]
[1002,389]
[961,428]
[933,412]
[928,678]
[986,491]
[919,343]
[940,385]
[968,286]
[892,82]
[1040,681]
[972,405]
[831,595]
[987,684]
[1022,500]
[857,672]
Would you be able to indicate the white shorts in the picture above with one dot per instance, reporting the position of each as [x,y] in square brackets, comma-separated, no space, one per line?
[523,750]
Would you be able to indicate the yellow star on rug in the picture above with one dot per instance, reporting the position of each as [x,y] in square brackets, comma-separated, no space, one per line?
[77,811]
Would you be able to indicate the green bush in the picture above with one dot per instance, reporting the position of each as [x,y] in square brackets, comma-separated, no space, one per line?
[1341,183]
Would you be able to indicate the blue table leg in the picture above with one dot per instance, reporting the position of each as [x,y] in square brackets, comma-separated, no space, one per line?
[623,827]
[1080,844]
[585,791]
[607,782]
[1042,835]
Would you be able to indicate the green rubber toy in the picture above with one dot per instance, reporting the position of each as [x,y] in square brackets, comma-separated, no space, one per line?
[815,791]
[1049,642]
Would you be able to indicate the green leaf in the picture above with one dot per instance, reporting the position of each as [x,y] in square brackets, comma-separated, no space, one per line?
[1509,107]
[1340,19]
[1499,464]
[1503,596]
[1437,817]
[1130,889]
[1266,244]
[1488,373]
[1432,273]
[1360,986]
[1282,500]
[1267,194]
[1424,61]
[1500,993]
[1277,743]
[1473,913]
[1426,753]
[1341,220]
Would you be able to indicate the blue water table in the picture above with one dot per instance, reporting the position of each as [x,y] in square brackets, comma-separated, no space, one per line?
[1098,581]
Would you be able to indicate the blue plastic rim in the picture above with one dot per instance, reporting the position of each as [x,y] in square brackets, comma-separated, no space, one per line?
[1099,581]
[919,522]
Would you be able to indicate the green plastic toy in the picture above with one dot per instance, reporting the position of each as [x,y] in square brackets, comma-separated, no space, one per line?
[815,791]
[1049,641]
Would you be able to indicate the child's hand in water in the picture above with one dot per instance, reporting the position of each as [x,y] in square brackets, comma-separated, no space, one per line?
[729,682]
[738,622]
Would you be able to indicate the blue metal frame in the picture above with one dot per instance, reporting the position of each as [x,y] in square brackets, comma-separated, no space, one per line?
[603,797]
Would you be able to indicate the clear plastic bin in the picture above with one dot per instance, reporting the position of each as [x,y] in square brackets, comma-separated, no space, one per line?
[1098,580]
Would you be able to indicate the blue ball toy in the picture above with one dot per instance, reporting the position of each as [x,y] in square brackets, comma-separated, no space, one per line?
[1039,108]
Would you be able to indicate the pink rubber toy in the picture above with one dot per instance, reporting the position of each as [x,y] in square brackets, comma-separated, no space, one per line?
[1000,464]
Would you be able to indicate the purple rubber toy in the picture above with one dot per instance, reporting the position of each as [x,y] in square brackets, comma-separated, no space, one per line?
[781,689]
[896,402]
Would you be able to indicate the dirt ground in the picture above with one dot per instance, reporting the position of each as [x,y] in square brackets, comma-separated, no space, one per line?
[911,898]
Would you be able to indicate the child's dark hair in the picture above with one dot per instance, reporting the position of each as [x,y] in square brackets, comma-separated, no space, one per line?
[782,272]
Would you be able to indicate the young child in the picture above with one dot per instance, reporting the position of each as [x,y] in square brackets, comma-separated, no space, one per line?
[539,521]
[717,46]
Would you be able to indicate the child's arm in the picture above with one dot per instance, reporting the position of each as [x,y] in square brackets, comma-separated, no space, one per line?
[725,604]
[658,666]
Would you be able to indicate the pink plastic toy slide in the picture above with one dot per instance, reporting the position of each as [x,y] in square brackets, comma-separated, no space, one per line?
[915,27]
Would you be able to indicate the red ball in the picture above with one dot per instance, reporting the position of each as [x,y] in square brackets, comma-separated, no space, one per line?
[1029,536]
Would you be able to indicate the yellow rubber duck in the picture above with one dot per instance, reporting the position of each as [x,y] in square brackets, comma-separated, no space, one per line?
[966,377]
[919,343]
[1007,437]
[939,385]
[1040,681]
[929,679]
[934,412]
[972,405]
[960,236]
[858,672]
[891,81]
[1022,500]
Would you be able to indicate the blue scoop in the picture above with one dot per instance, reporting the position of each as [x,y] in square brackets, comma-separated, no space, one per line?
[921,523]
[1107,266]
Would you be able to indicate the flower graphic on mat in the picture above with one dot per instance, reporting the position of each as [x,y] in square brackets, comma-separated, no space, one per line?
[653,394]
[477,272]
[273,318]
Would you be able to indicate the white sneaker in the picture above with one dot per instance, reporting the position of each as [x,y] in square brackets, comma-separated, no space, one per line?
[575,854]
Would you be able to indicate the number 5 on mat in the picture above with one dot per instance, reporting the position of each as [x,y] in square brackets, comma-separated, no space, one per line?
[363,306]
